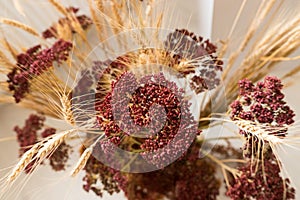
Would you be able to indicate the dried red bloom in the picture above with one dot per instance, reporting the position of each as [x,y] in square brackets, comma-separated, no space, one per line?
[261,185]
[262,103]
[185,47]
[164,133]
[31,133]
[83,20]
[33,63]
[27,136]
[185,179]
[100,177]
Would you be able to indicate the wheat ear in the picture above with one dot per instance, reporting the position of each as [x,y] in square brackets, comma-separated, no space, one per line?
[259,131]
[23,162]
[20,26]
[59,7]
[52,143]
[84,158]
[67,109]
[38,151]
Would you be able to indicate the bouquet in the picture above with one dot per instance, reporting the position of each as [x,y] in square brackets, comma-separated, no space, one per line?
[146,105]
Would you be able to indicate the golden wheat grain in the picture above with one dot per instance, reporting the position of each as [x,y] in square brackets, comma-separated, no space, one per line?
[281,58]
[262,12]
[52,143]
[59,7]
[82,161]
[23,162]
[37,152]
[98,25]
[20,26]
[84,157]
[262,133]
[67,109]
[64,31]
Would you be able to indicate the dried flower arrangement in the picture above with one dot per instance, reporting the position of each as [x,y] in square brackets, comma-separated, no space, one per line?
[140,98]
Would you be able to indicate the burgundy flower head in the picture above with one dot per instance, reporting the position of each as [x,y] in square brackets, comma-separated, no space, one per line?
[153,112]
[33,63]
[266,183]
[83,20]
[184,46]
[31,133]
[262,104]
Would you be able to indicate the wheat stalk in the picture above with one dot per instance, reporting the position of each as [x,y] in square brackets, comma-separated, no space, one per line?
[38,151]
[84,158]
[23,162]
[59,7]
[20,26]
[52,143]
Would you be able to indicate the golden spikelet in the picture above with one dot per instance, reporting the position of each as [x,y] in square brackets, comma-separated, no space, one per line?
[51,143]
[20,26]
[264,133]
[82,161]
[64,31]
[23,162]
[67,109]
[59,7]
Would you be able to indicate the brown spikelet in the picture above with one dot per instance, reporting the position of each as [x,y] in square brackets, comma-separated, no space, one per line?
[20,26]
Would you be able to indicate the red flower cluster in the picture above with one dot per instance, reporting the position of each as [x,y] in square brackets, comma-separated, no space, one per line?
[31,133]
[184,46]
[266,183]
[27,136]
[185,179]
[100,177]
[263,104]
[83,20]
[33,63]
[131,110]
